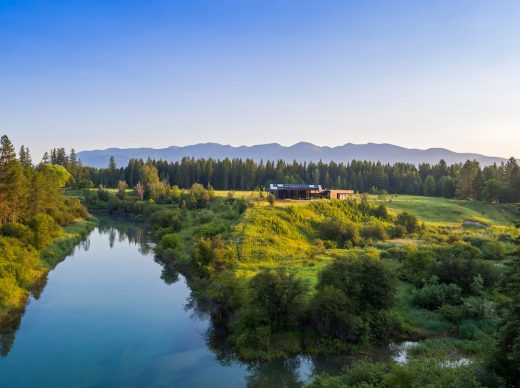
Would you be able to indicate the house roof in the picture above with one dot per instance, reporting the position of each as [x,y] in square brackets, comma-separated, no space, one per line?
[293,186]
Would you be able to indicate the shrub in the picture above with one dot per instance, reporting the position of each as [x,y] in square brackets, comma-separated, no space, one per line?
[433,295]
[169,241]
[278,297]
[419,373]
[398,231]
[454,314]
[339,230]
[493,250]
[381,212]
[408,221]
[333,315]
[462,271]
[211,254]
[417,266]
[45,229]
[19,231]
[366,281]
[374,231]
[165,218]
[270,199]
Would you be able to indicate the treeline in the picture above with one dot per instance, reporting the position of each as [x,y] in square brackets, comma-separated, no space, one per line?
[32,213]
[467,180]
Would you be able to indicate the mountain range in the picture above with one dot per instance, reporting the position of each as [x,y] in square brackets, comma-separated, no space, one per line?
[385,153]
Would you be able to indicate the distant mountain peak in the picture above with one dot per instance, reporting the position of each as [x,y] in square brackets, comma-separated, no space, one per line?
[301,151]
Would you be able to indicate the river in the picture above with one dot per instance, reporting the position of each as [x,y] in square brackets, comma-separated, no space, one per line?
[109,316]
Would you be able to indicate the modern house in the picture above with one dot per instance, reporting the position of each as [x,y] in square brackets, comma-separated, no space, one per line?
[302,191]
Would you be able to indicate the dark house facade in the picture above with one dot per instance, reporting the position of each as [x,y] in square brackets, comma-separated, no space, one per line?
[302,192]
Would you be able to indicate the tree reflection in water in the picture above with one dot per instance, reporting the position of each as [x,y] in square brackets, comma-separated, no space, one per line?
[117,230]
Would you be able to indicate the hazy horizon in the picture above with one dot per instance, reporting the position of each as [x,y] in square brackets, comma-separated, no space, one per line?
[101,74]
[284,145]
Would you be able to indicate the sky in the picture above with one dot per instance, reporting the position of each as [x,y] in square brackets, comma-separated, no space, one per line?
[99,74]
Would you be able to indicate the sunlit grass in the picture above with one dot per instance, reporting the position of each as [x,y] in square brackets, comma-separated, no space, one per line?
[450,211]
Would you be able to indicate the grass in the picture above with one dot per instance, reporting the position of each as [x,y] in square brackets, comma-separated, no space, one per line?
[451,211]
[64,245]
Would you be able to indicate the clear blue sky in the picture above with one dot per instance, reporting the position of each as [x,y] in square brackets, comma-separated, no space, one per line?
[95,74]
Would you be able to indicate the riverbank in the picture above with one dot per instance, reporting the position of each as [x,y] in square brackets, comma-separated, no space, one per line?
[31,267]
[63,246]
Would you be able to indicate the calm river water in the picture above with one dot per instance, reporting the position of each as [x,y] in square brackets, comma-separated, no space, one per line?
[108,316]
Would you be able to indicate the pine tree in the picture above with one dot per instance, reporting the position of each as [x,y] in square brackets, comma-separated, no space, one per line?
[12,191]
[24,156]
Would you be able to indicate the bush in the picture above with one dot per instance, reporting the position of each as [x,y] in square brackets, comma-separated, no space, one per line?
[19,231]
[277,298]
[433,295]
[169,241]
[210,255]
[333,315]
[45,229]
[373,231]
[408,221]
[339,230]
[381,212]
[493,250]
[165,218]
[365,280]
[462,270]
[417,266]
[398,231]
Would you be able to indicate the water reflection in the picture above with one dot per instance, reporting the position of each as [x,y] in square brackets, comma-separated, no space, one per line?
[119,230]
[13,320]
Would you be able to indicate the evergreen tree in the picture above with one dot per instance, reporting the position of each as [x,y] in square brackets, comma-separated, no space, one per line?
[12,191]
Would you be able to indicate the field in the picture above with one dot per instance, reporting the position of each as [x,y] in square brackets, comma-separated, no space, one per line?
[450,211]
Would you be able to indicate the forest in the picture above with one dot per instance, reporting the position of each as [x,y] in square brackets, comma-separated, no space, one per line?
[494,183]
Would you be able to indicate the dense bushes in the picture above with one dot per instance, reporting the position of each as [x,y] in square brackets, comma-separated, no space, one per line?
[277,298]
[353,292]
[343,232]
[211,255]
[364,279]
[275,304]
[460,267]
[374,231]
[458,263]
[334,315]
[433,294]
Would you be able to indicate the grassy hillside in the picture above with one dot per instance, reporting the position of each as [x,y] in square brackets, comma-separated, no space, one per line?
[287,234]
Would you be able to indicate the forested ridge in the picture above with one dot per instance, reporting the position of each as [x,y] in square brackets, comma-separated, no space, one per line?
[33,212]
[466,181]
